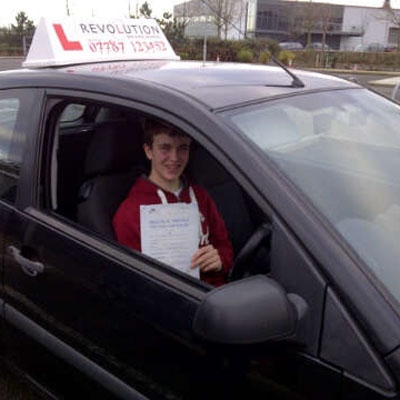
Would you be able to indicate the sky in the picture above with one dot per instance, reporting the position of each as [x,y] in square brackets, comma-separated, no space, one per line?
[80,8]
[113,8]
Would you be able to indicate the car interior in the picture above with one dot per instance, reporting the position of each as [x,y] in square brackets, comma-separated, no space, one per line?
[97,155]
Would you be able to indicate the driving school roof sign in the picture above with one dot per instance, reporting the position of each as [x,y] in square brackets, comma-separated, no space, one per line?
[73,40]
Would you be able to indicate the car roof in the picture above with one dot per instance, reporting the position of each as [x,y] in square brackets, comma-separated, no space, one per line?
[214,84]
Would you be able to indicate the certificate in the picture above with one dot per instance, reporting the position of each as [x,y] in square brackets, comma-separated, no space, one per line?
[170,233]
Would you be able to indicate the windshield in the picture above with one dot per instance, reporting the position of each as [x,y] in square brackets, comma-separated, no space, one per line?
[342,150]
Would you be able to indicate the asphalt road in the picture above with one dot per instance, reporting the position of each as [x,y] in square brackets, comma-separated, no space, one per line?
[365,80]
[7,63]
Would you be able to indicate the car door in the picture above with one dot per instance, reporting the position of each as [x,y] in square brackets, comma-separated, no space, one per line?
[348,335]
[115,317]
[126,321]
[18,118]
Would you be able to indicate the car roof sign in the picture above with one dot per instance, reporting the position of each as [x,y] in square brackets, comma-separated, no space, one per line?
[72,40]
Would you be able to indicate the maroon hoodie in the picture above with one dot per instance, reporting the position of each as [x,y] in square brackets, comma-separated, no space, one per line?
[126,221]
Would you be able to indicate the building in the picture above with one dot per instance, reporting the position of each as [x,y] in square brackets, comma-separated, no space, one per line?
[375,24]
[344,27]
[226,19]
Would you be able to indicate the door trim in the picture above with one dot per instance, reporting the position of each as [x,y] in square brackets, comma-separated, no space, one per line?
[70,355]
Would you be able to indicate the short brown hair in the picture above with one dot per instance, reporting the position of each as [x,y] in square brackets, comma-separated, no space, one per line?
[153,127]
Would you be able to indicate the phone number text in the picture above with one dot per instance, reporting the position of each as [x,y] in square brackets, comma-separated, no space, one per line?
[114,47]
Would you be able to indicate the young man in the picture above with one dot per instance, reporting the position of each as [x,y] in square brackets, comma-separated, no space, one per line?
[168,152]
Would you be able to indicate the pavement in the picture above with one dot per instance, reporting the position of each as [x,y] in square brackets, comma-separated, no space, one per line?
[7,63]
[380,81]
[388,86]
[386,81]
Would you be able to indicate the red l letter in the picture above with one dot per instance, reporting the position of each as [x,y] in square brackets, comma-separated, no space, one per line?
[65,43]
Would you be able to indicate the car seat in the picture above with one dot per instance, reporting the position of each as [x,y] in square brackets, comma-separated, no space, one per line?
[226,193]
[248,232]
[114,161]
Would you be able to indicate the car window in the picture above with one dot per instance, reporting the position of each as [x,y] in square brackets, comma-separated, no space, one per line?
[93,169]
[13,105]
[342,150]
[72,112]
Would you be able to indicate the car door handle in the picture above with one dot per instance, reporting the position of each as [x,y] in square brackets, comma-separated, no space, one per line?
[30,267]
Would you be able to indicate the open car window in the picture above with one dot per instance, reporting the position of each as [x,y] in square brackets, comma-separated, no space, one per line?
[95,163]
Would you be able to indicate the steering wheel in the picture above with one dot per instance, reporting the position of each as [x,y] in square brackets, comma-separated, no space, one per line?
[260,237]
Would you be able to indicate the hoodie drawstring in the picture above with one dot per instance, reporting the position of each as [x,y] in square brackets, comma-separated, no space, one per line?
[203,237]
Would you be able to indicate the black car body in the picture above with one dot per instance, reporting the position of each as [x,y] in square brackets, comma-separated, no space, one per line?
[306,314]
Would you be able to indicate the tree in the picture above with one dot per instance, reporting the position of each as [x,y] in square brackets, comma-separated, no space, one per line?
[230,14]
[173,29]
[18,36]
[325,18]
[145,11]
[308,18]
[299,19]
[394,18]
[224,13]
[24,25]
[23,30]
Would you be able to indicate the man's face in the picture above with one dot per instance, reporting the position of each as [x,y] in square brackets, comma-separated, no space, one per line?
[169,156]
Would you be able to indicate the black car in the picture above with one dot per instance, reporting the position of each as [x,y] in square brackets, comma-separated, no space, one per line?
[304,170]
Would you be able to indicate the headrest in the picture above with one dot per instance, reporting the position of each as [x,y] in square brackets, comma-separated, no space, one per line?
[115,147]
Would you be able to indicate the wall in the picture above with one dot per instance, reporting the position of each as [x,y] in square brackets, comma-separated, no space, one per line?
[373,22]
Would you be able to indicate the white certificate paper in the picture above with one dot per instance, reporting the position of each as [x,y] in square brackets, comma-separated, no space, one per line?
[170,233]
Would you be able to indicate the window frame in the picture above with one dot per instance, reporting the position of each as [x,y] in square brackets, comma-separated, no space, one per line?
[220,155]
[27,124]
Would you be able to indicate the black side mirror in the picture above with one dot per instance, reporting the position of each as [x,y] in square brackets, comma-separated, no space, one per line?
[248,311]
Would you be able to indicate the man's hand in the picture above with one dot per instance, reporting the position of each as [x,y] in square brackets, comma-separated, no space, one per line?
[207,259]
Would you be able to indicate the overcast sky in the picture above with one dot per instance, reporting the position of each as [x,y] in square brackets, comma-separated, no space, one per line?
[113,8]
[85,8]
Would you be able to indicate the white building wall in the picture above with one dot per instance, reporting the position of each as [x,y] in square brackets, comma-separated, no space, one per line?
[201,20]
[374,22]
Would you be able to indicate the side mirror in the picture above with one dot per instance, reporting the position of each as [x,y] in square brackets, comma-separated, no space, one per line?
[248,311]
